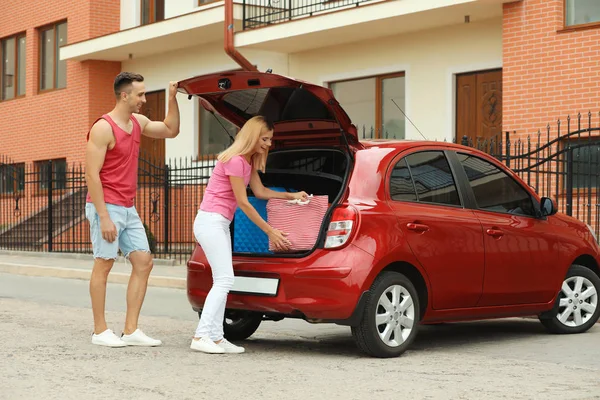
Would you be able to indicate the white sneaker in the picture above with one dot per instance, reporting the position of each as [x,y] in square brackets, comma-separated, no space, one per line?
[230,347]
[206,345]
[139,338]
[108,339]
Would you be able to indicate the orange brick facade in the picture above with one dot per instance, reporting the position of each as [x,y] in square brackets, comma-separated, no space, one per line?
[42,126]
[548,72]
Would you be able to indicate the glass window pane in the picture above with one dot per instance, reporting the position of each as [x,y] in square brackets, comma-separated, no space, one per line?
[213,138]
[9,78]
[401,184]
[6,179]
[582,12]
[61,69]
[392,91]
[22,54]
[146,18]
[21,177]
[59,174]
[47,60]
[432,178]
[358,99]
[495,190]
[586,163]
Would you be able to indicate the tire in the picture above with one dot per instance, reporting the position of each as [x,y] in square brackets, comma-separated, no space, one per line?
[240,325]
[578,308]
[398,317]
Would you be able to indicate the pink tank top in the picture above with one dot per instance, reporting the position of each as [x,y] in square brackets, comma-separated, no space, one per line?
[119,173]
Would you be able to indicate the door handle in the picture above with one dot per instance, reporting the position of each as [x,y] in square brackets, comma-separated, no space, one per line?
[417,227]
[495,233]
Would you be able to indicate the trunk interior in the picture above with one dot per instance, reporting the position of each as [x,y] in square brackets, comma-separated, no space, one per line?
[317,171]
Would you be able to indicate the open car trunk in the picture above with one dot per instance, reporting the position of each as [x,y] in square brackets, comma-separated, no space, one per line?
[320,171]
[313,142]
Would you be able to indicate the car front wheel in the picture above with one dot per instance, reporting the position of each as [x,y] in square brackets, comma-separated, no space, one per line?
[390,318]
[576,309]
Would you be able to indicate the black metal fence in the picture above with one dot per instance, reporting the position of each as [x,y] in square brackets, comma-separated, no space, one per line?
[42,204]
[561,162]
[259,13]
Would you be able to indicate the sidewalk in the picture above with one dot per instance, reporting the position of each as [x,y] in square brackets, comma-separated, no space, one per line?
[79,266]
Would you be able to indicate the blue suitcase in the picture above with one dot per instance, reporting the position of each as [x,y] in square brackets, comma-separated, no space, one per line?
[247,237]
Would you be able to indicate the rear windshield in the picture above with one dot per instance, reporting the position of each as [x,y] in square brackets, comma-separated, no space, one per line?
[278,104]
[313,161]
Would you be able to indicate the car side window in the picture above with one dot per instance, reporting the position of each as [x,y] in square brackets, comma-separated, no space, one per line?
[424,177]
[401,185]
[494,189]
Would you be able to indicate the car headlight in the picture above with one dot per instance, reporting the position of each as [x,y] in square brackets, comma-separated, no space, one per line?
[592,232]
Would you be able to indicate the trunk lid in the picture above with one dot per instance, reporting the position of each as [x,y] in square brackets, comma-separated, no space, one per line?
[299,110]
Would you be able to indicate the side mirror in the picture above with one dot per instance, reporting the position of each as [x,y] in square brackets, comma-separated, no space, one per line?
[548,206]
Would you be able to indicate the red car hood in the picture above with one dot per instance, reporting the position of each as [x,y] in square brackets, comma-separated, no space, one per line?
[298,109]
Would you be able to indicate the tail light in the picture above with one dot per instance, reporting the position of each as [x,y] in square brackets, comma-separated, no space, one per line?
[343,222]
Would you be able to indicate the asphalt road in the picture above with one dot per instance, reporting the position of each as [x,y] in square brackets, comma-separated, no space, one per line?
[45,327]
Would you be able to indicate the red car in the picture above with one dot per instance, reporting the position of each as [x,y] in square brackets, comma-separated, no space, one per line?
[417,233]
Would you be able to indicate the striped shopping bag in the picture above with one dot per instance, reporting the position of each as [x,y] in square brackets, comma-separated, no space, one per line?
[300,220]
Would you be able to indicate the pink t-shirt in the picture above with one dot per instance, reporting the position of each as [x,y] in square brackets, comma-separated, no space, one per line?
[219,197]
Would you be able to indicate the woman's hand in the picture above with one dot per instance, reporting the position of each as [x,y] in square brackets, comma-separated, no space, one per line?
[278,238]
[302,196]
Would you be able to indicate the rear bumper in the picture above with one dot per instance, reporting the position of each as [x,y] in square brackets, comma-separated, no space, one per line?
[323,287]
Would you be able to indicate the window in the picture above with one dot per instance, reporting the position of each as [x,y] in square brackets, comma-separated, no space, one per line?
[494,189]
[581,12]
[12,178]
[53,71]
[586,163]
[12,78]
[375,105]
[425,177]
[52,169]
[152,11]
[215,133]
[401,184]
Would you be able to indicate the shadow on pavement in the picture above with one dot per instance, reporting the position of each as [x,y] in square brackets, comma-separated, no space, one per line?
[430,337]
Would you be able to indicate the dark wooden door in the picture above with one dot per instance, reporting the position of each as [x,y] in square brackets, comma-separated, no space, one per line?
[479,106]
[152,151]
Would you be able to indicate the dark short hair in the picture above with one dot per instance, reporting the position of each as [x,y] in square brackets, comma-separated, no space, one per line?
[125,79]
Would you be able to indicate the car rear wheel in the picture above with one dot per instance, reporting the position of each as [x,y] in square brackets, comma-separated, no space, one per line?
[390,318]
[240,325]
[577,308]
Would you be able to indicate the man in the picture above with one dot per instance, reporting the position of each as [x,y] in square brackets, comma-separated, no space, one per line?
[111,174]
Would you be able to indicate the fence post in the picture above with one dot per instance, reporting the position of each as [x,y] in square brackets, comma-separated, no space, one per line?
[508,149]
[290,10]
[569,182]
[464,141]
[49,186]
[166,221]
[244,15]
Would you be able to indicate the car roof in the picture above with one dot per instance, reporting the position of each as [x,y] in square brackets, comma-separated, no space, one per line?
[405,144]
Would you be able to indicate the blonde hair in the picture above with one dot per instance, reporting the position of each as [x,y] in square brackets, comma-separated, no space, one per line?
[246,140]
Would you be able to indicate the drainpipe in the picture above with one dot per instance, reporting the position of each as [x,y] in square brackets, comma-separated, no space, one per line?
[229,44]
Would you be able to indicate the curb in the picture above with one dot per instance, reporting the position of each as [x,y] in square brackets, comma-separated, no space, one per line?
[77,256]
[82,274]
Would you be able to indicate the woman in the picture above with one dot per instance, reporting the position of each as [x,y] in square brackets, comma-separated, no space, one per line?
[236,167]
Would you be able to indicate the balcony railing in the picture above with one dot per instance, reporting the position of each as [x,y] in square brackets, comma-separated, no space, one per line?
[260,13]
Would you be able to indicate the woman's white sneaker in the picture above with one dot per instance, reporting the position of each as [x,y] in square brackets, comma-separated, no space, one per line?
[108,339]
[139,338]
[206,345]
[230,347]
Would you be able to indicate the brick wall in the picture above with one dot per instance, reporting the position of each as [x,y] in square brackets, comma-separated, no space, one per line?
[49,125]
[548,73]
